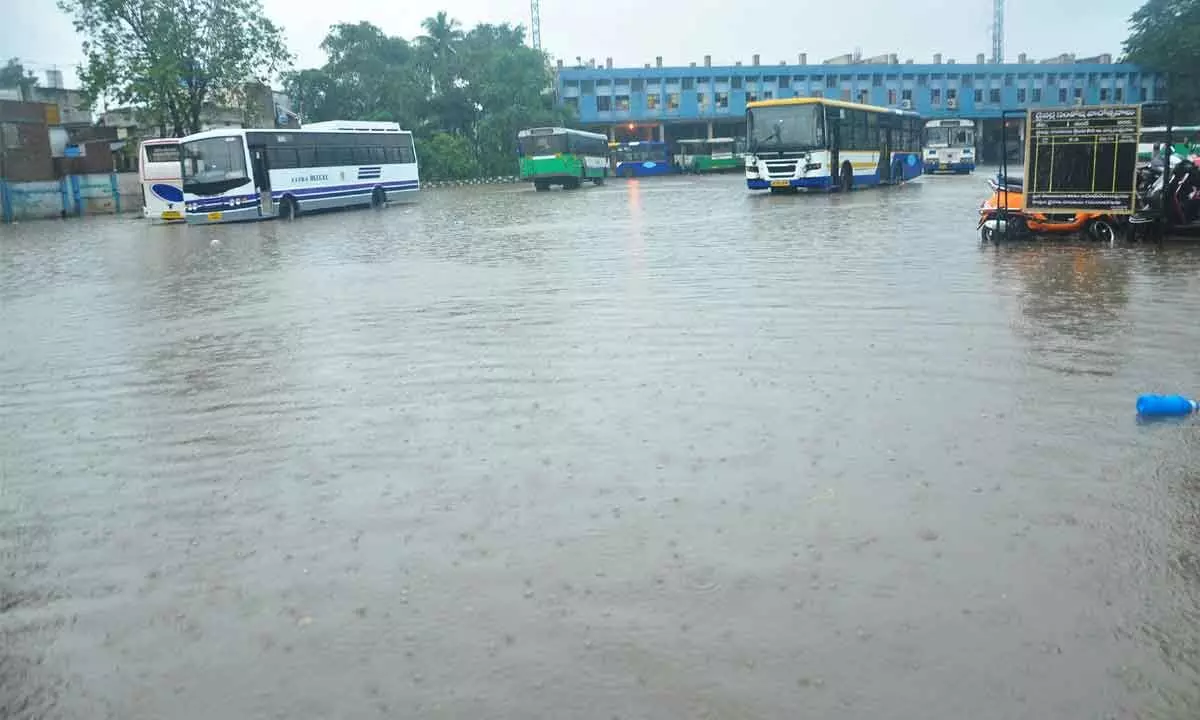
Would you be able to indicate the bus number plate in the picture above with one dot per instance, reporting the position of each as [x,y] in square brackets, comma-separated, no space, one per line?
[214,216]
[781,183]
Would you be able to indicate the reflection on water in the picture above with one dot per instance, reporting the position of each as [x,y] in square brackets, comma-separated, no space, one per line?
[655,449]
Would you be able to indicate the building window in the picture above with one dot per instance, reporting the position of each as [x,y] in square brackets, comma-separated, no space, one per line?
[652,101]
[1008,80]
[876,80]
[1144,95]
[722,101]
[783,82]
[735,83]
[906,94]
[622,103]
[978,96]
[935,96]
[751,96]
[831,81]
[572,104]
[1037,95]
[1021,96]
[1062,95]
[891,96]
[672,101]
[603,103]
[951,93]
[863,97]
[994,96]
[702,101]
[818,94]
[1119,94]
[1103,94]
[922,80]
[768,95]
[1078,93]
[688,83]
[636,85]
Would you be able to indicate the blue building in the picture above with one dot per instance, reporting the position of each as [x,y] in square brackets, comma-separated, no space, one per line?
[669,103]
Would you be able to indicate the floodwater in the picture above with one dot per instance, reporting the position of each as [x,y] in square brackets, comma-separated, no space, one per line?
[658,449]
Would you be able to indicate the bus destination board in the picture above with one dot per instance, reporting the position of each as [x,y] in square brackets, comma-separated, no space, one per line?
[1082,159]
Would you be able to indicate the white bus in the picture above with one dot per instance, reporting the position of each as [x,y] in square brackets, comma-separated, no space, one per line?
[232,175]
[949,146]
[158,173]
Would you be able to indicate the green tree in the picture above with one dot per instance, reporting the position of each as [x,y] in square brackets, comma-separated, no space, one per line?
[14,75]
[1164,38]
[465,95]
[175,57]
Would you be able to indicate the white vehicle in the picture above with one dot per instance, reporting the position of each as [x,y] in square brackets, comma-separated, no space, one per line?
[232,175]
[159,174]
[817,144]
[949,146]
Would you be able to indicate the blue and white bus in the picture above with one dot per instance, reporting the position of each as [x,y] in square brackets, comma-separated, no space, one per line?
[830,145]
[949,146]
[232,175]
[642,157]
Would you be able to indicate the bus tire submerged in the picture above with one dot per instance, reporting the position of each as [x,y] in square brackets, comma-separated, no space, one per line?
[897,172]
[846,177]
[378,198]
[288,210]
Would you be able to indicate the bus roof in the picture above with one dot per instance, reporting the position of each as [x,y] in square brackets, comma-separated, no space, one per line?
[358,125]
[311,128]
[778,102]
[527,132]
[708,140]
[160,141]
[632,143]
[951,122]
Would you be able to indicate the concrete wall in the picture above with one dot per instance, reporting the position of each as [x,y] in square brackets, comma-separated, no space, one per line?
[73,196]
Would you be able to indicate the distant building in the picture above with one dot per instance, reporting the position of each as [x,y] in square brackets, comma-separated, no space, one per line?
[656,102]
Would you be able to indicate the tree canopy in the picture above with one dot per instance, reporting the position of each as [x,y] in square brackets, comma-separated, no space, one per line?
[175,57]
[1163,37]
[14,75]
[465,94]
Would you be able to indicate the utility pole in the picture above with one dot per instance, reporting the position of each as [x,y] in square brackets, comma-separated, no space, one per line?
[535,27]
[997,31]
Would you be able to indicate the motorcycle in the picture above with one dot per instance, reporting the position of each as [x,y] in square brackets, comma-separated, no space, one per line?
[1167,202]
[1003,216]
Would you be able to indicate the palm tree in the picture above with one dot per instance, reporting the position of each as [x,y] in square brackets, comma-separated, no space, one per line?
[442,34]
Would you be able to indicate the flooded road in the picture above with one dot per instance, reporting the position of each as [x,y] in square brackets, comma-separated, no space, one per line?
[658,449]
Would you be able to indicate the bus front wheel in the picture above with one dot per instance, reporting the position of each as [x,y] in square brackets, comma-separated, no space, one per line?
[288,209]
[378,198]
[541,186]
[846,178]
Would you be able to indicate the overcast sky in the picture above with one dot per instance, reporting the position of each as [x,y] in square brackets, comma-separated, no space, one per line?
[633,32]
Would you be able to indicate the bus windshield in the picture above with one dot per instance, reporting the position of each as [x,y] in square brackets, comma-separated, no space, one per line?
[214,165]
[535,145]
[949,136]
[786,127]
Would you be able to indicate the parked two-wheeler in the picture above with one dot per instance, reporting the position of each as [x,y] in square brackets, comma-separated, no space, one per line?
[1003,216]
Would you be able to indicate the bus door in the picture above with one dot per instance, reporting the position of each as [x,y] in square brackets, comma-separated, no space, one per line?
[885,150]
[833,121]
[262,180]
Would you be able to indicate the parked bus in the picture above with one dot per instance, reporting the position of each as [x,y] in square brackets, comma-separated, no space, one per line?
[562,156]
[1185,141]
[707,156]
[819,144]
[231,174]
[641,158]
[158,173]
[949,146]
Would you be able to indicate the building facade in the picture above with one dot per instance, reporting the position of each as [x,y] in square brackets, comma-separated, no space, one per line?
[702,100]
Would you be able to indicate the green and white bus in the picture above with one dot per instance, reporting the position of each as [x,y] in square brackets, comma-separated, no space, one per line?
[707,156]
[562,156]
[1185,141]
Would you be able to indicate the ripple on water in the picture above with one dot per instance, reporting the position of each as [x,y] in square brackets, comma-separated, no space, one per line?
[700,447]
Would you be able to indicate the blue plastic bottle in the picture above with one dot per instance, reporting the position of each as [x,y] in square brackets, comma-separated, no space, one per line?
[1165,406]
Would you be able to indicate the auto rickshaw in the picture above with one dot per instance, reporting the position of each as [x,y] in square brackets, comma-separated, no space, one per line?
[1003,216]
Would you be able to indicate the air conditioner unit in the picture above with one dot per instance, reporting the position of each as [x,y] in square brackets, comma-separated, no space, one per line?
[906,104]
[952,103]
